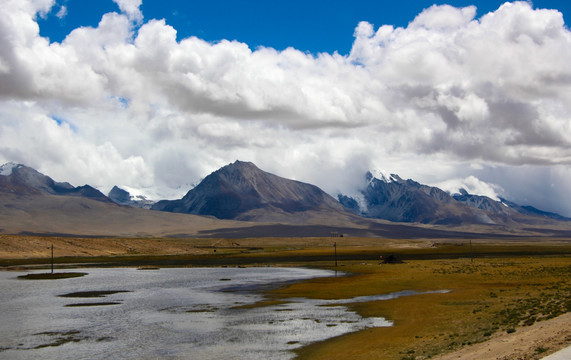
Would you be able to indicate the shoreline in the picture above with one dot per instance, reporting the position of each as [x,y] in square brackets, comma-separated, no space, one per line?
[431,325]
[527,342]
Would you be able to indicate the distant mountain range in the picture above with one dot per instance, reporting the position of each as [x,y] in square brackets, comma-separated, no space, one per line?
[395,199]
[33,202]
[23,180]
[530,210]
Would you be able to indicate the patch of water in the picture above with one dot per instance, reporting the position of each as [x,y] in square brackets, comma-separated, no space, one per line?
[170,313]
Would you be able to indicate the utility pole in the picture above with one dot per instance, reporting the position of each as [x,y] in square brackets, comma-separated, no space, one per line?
[52,258]
[335,246]
[471,252]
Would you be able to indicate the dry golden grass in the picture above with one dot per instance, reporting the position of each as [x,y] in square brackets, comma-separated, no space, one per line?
[23,246]
[488,296]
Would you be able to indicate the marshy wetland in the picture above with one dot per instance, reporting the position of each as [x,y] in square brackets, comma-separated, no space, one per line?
[443,298]
[201,313]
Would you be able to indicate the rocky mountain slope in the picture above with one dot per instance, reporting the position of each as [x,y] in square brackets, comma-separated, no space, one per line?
[33,203]
[265,205]
[395,199]
[532,211]
[23,180]
[123,197]
[244,192]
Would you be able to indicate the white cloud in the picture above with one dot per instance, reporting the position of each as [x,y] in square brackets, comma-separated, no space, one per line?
[444,18]
[131,8]
[62,12]
[545,187]
[425,101]
[37,140]
[473,186]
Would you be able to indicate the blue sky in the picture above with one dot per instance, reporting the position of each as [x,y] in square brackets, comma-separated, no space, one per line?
[307,25]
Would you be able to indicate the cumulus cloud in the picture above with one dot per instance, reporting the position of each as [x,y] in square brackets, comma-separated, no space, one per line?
[51,145]
[424,101]
[472,185]
[473,103]
[132,8]
[445,18]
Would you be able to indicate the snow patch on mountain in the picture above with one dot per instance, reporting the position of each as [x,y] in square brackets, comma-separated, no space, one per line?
[152,193]
[471,185]
[6,169]
[359,197]
[138,194]
[383,175]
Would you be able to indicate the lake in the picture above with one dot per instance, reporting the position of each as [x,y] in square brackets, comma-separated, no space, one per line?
[182,313]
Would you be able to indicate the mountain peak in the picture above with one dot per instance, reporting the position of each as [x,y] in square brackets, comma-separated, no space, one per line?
[24,180]
[382,175]
[123,197]
[391,198]
[240,166]
[243,163]
[119,195]
[243,191]
[6,169]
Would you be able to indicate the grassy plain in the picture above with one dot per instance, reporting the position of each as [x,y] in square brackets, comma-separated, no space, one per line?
[488,296]
[496,286]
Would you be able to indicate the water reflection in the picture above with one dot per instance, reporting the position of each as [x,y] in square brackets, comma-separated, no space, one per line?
[171,313]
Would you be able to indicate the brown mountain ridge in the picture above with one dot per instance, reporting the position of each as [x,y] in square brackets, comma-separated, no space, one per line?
[238,200]
[242,191]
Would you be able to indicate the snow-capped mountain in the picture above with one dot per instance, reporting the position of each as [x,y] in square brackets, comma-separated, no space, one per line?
[482,202]
[382,175]
[124,197]
[241,191]
[6,169]
[503,206]
[391,198]
[532,211]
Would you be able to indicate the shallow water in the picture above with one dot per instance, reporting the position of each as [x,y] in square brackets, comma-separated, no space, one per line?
[169,313]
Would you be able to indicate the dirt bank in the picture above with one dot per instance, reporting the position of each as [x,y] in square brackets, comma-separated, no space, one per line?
[528,342]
